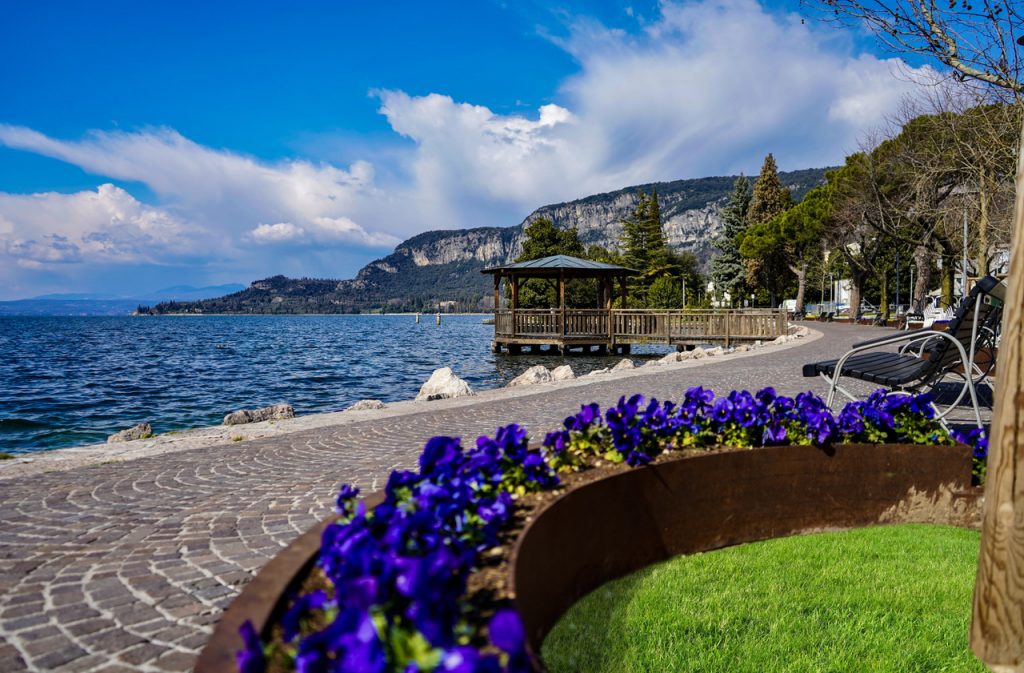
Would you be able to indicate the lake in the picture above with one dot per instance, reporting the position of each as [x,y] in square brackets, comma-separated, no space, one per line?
[67,381]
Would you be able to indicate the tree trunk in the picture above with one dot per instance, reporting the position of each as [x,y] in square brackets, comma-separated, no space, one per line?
[801,279]
[948,276]
[981,241]
[923,263]
[856,291]
[997,627]
[884,302]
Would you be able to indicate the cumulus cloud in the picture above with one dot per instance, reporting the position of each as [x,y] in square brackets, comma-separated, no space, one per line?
[705,88]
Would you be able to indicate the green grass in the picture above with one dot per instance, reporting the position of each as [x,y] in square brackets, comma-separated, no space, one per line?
[883,599]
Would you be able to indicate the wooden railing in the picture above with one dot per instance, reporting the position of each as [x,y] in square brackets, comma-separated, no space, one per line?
[641,325]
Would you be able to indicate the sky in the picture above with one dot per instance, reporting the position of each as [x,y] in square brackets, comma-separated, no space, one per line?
[144,145]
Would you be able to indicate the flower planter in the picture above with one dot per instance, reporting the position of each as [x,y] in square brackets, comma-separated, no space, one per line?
[617,524]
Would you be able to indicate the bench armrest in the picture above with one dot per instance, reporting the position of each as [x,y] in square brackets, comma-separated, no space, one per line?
[894,338]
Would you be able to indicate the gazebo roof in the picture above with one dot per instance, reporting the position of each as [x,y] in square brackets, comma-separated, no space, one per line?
[547,266]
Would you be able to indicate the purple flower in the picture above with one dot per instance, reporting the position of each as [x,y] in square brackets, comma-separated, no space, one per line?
[346,498]
[250,658]
[721,412]
[506,631]
[299,608]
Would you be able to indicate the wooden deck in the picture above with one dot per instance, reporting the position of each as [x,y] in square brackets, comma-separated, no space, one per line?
[618,329]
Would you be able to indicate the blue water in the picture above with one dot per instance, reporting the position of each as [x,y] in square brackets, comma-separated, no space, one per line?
[67,381]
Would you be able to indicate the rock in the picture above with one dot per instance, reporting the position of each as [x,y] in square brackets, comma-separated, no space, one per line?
[698,354]
[801,331]
[274,412]
[653,363]
[598,372]
[366,405]
[742,348]
[779,340]
[533,375]
[624,363]
[443,384]
[672,358]
[714,352]
[140,431]
[563,373]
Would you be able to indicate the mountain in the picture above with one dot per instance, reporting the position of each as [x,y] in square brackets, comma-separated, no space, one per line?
[442,268]
[92,304]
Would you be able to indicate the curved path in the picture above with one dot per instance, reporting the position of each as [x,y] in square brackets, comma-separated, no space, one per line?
[126,566]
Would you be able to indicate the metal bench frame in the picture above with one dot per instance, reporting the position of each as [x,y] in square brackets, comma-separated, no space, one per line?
[915,344]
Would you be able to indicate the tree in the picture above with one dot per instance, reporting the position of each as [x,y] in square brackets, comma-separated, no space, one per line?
[644,247]
[543,239]
[980,45]
[727,269]
[793,238]
[665,292]
[768,200]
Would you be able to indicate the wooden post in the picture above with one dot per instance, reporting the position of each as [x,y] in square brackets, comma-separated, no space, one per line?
[728,319]
[497,297]
[515,301]
[997,625]
[561,302]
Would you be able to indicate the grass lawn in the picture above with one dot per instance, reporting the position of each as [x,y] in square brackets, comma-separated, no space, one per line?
[889,598]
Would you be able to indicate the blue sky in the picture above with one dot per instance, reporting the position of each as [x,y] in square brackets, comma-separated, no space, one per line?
[152,144]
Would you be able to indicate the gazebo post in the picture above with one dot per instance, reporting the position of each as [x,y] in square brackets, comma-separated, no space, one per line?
[497,296]
[561,302]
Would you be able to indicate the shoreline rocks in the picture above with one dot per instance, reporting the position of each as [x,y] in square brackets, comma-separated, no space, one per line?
[532,376]
[140,431]
[443,384]
[563,373]
[274,412]
[365,405]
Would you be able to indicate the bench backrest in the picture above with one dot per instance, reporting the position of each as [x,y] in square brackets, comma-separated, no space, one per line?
[984,303]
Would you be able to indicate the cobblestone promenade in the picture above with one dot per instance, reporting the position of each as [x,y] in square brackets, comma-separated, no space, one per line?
[127,566]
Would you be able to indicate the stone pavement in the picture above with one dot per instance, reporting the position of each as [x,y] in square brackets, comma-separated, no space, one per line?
[128,565]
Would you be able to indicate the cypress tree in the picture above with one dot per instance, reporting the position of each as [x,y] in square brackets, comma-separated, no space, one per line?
[727,269]
[770,198]
[644,246]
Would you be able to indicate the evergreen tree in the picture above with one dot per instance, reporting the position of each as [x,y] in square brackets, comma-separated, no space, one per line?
[727,269]
[644,247]
[769,198]
[543,239]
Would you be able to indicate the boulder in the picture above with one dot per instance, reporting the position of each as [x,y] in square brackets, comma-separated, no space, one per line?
[598,372]
[698,354]
[801,331]
[624,363]
[366,405]
[779,340]
[714,352]
[673,357]
[563,373]
[742,348]
[533,375]
[274,412]
[140,431]
[443,384]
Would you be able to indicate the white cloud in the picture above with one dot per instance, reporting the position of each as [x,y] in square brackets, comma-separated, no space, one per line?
[707,88]
[275,233]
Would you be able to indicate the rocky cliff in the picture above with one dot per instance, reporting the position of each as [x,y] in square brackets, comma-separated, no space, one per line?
[444,266]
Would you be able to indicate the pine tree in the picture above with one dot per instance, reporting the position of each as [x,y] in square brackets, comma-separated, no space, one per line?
[543,239]
[644,246]
[727,269]
[770,198]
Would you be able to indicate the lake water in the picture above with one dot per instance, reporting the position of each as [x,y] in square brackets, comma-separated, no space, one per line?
[67,381]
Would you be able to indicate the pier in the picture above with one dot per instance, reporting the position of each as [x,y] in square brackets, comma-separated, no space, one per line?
[605,328]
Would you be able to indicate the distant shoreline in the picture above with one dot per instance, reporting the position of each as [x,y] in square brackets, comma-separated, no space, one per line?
[278,315]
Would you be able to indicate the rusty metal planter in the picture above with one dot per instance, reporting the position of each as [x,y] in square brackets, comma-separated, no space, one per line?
[618,524]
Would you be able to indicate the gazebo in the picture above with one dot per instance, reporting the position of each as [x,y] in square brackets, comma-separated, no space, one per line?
[556,327]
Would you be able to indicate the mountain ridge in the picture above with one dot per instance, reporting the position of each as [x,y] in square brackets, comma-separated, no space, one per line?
[439,270]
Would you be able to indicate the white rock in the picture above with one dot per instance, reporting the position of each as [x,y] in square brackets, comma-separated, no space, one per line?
[742,348]
[443,384]
[670,358]
[653,363]
[698,354]
[365,405]
[713,352]
[779,340]
[624,363]
[274,412]
[533,375]
[563,373]
[140,431]
[598,372]
[801,331]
